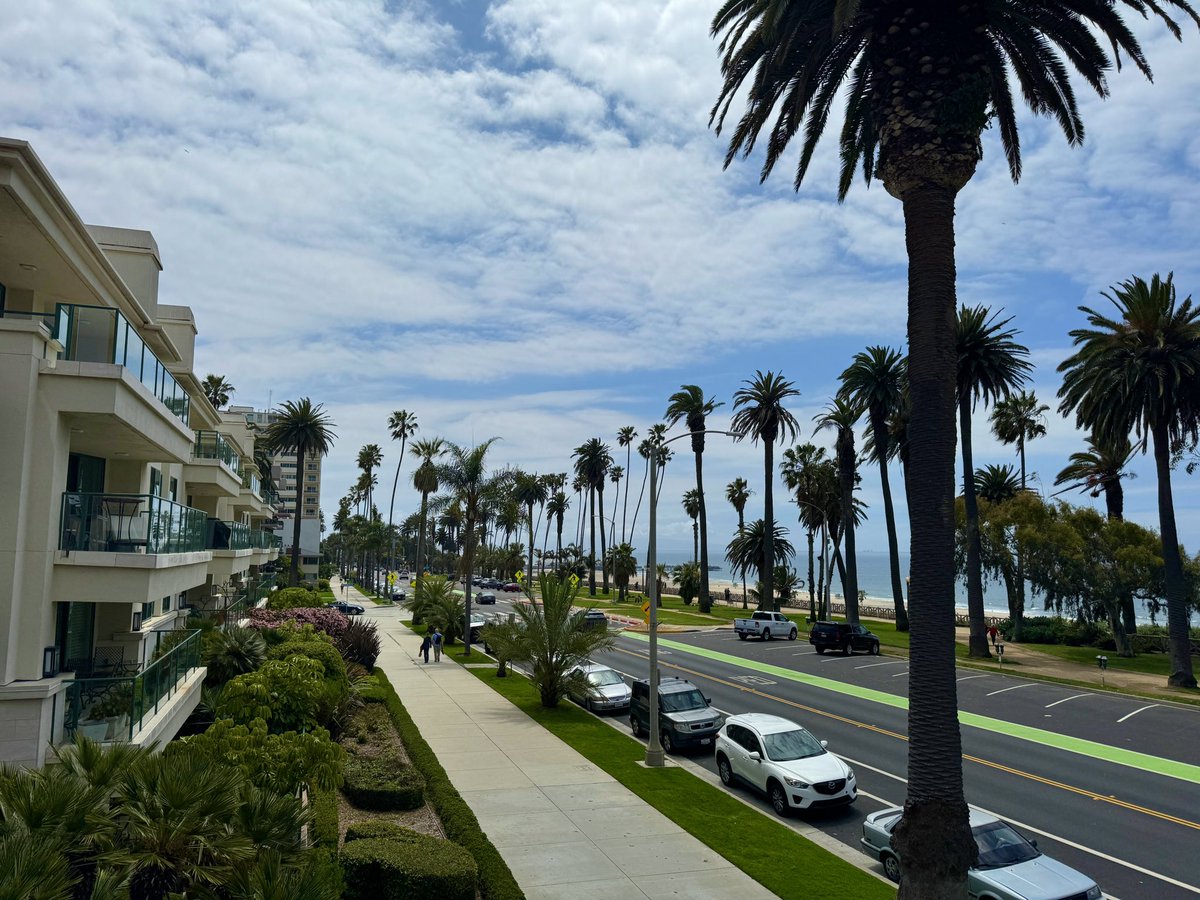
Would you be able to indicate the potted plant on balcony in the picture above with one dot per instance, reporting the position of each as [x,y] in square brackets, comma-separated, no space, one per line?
[114,710]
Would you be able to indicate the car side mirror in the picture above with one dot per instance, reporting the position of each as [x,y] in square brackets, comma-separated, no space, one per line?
[755,755]
[708,701]
[1034,843]
[824,744]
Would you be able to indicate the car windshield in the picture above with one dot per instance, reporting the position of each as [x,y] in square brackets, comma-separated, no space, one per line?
[1000,845]
[603,677]
[679,701]
[788,745]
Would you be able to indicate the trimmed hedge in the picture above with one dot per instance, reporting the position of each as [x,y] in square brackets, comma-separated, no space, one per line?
[325,826]
[496,882]
[294,598]
[417,866]
[383,784]
[377,828]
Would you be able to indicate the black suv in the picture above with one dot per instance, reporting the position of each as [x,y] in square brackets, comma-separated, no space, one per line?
[842,636]
[684,716]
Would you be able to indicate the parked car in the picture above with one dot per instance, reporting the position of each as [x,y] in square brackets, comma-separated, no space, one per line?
[606,689]
[485,597]
[685,717]
[1010,866]
[784,761]
[399,596]
[476,626]
[765,625]
[491,584]
[842,636]
[512,587]
[345,608]
[594,618]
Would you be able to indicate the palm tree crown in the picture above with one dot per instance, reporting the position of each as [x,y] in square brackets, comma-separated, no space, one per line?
[217,390]
[1100,468]
[401,426]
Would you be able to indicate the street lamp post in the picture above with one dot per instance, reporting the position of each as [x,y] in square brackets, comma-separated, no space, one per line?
[655,758]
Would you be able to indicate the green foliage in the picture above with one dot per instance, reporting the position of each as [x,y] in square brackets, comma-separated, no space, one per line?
[230,652]
[359,643]
[1056,630]
[308,643]
[419,866]
[325,826]
[495,880]
[322,584]
[382,783]
[374,829]
[283,761]
[286,693]
[294,598]
[687,577]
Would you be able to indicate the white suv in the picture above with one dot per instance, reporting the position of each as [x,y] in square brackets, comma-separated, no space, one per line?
[784,761]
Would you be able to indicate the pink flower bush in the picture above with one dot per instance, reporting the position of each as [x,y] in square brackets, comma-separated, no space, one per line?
[330,621]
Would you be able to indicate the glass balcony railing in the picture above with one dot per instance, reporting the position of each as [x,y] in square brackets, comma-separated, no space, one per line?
[262,540]
[251,481]
[214,445]
[115,709]
[228,535]
[100,334]
[130,523]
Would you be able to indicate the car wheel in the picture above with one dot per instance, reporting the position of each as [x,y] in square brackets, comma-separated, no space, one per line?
[741,636]
[636,726]
[846,649]
[668,744]
[778,799]
[891,867]
[793,634]
[875,649]
[766,634]
[820,651]
[724,771]
[587,704]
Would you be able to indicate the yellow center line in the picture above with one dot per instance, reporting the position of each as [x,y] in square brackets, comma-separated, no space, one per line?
[1092,795]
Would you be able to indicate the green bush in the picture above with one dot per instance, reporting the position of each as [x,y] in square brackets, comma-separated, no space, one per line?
[382,783]
[294,598]
[496,882]
[376,828]
[325,825]
[324,869]
[322,584]
[421,866]
[1057,630]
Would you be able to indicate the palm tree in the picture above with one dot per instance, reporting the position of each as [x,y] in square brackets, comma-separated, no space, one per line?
[217,390]
[687,578]
[923,82]
[1018,418]
[996,484]
[592,459]
[622,560]
[625,438]
[738,492]
[1140,372]
[760,414]
[654,440]
[874,382]
[991,365]
[749,549]
[557,507]
[370,457]
[401,425]
[425,480]
[615,474]
[691,508]
[690,405]
[800,474]
[301,427]
[842,416]
[529,490]
[465,475]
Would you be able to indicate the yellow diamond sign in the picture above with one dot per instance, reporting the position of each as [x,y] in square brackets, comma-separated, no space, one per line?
[646,611]
[574,579]
[521,576]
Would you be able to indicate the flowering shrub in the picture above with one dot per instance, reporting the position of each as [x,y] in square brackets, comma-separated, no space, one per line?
[330,621]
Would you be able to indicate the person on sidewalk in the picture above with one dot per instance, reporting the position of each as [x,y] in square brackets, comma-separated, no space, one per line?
[426,641]
[993,634]
[437,644]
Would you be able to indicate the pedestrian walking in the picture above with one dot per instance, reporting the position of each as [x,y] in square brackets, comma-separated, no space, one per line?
[993,634]
[437,645]
[425,643]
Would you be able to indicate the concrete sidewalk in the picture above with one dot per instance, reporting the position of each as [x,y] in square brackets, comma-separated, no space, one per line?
[566,829]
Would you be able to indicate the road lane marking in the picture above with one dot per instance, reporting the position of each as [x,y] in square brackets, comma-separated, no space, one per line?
[1135,712]
[1049,782]
[1065,699]
[1117,755]
[969,677]
[897,662]
[1015,687]
[900,674]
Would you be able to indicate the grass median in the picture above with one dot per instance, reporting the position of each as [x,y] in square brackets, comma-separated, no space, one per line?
[777,857]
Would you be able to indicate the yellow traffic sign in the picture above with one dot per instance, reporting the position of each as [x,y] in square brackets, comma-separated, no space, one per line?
[574,579]
[646,612]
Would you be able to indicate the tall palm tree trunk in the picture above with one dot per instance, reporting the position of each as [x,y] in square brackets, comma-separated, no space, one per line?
[705,597]
[1018,620]
[529,567]
[767,576]
[812,597]
[1176,584]
[978,643]
[545,541]
[558,542]
[889,516]
[935,826]
[603,549]
[392,509]
[592,561]
[1114,504]
[850,578]
[745,593]
[625,510]
[421,540]
[294,567]
[641,493]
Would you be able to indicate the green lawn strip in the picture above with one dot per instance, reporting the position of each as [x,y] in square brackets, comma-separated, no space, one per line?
[1146,663]
[665,616]
[767,851]
[1118,755]
[496,881]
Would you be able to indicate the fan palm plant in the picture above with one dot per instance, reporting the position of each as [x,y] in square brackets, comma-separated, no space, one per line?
[691,508]
[1017,419]
[230,652]
[301,427]
[996,484]
[799,470]
[1140,371]
[217,390]
[687,579]
[622,560]
[924,79]
[761,416]
[401,426]
[738,492]
[592,461]
[691,406]
[1100,469]
[991,365]
[625,438]
[748,550]
[874,382]
[841,416]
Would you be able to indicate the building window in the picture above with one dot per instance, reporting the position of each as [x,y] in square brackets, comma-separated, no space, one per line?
[148,611]
[309,560]
[155,482]
[175,489]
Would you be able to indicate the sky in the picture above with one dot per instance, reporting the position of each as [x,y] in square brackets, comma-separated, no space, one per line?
[511,218]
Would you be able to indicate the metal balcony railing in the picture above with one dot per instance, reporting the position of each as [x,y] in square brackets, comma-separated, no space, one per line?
[101,334]
[251,481]
[115,709]
[224,535]
[130,523]
[214,445]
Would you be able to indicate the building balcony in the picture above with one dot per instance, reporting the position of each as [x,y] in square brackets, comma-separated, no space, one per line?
[215,468]
[143,707]
[232,552]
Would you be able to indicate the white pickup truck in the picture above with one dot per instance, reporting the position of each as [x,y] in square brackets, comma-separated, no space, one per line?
[765,625]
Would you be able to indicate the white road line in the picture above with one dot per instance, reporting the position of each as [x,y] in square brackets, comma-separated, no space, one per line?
[1065,699]
[900,674]
[1015,687]
[894,662]
[1135,712]
[969,677]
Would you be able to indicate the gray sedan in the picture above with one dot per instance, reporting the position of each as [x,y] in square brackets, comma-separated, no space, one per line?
[1010,867]
[605,689]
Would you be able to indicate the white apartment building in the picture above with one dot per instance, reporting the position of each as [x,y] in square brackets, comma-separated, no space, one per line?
[125,497]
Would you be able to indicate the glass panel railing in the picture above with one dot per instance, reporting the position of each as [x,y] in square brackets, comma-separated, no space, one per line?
[251,481]
[228,535]
[115,709]
[130,523]
[101,334]
[214,445]
[48,319]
